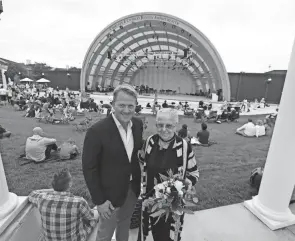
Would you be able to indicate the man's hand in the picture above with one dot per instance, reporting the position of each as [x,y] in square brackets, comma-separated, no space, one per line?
[105,210]
[95,213]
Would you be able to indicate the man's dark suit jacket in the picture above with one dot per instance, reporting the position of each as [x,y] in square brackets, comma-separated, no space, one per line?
[106,166]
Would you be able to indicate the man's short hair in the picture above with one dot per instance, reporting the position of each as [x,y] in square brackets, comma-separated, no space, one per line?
[127,89]
[37,130]
[250,120]
[61,180]
[204,126]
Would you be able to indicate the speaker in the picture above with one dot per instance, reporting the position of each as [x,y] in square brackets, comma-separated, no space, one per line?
[1,7]
[109,55]
[185,51]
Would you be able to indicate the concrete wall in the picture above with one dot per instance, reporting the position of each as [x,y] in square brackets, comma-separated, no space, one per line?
[62,80]
[243,85]
[253,85]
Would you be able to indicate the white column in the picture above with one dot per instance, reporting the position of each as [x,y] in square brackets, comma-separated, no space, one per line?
[8,200]
[271,205]
[3,76]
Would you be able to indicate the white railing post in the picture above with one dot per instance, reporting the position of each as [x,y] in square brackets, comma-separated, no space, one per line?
[8,200]
[4,80]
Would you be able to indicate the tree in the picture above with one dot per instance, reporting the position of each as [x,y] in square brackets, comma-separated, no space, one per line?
[37,69]
[15,71]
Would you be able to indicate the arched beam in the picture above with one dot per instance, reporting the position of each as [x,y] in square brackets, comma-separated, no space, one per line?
[195,56]
[115,72]
[145,37]
[184,41]
[134,30]
[127,69]
[179,38]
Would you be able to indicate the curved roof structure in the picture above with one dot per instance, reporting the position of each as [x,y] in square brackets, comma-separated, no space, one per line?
[136,41]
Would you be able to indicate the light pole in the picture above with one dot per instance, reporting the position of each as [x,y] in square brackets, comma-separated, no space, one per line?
[268,81]
[19,76]
[239,85]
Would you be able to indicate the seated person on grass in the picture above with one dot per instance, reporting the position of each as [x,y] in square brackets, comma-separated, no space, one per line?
[4,132]
[223,117]
[255,181]
[30,112]
[184,133]
[274,115]
[63,215]
[93,106]
[68,150]
[203,135]
[138,109]
[260,128]
[22,103]
[247,130]
[38,148]
[206,111]
[148,106]
[234,115]
[38,112]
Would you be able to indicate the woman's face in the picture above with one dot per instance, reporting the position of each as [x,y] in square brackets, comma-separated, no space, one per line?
[165,128]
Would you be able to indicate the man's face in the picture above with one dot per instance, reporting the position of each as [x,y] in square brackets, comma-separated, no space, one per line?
[124,106]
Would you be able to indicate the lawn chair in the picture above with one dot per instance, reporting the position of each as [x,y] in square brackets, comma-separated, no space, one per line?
[189,112]
[234,116]
[199,115]
[212,116]
[84,124]
[223,117]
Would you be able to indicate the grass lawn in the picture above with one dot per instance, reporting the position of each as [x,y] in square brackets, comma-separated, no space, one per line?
[224,167]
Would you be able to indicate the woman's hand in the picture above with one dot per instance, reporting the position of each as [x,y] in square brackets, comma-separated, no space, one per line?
[189,184]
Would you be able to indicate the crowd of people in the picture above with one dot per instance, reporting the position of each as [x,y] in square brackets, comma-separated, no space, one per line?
[119,180]
[47,103]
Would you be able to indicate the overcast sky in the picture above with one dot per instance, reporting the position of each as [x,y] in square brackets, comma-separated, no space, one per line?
[249,35]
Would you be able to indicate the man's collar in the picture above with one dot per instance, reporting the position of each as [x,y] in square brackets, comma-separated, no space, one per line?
[66,193]
[118,124]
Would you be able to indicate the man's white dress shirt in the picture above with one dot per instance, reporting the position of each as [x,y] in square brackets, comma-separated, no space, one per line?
[127,137]
[249,129]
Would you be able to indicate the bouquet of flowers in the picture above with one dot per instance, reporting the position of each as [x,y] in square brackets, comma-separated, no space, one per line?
[172,196]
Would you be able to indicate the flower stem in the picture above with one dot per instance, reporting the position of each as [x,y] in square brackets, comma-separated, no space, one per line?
[177,227]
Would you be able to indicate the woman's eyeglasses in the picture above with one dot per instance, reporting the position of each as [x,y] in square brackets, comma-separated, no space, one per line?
[167,126]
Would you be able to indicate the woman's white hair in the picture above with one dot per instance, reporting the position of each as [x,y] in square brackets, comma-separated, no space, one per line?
[127,89]
[167,113]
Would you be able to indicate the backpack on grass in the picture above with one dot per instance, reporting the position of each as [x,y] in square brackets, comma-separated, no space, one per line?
[256,177]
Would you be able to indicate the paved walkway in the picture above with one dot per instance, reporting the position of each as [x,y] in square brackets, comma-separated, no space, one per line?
[230,223]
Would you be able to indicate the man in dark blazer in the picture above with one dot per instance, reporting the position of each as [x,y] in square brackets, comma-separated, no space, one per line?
[111,167]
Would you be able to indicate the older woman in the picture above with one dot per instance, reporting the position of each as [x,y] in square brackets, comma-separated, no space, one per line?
[162,152]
